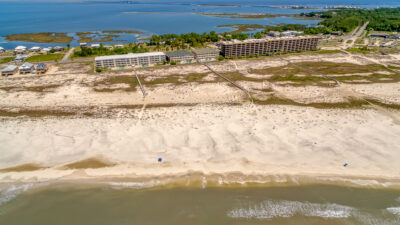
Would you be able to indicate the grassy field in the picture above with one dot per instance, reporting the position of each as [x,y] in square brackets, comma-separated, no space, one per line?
[130,80]
[239,28]
[43,58]
[40,37]
[6,59]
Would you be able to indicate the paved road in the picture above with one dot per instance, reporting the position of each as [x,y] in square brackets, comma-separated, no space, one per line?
[354,35]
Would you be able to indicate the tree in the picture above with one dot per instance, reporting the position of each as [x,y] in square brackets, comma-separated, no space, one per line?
[258,35]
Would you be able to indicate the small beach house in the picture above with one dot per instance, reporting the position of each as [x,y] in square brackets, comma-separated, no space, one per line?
[95,45]
[35,49]
[2,50]
[41,68]
[26,68]
[20,49]
[9,70]
[58,48]
[20,58]
[45,50]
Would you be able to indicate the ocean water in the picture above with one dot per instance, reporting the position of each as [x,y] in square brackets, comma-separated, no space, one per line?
[129,203]
[82,16]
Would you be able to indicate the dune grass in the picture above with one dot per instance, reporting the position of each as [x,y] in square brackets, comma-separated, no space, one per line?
[43,58]
[40,37]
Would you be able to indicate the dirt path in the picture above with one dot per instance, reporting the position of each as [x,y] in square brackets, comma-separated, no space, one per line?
[66,56]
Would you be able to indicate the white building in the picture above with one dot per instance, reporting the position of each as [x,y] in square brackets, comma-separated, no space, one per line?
[130,59]
[206,54]
[2,49]
[26,68]
[20,49]
[45,50]
[95,45]
[9,70]
[35,49]
[291,32]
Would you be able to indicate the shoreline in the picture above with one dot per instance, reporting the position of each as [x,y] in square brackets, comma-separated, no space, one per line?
[260,141]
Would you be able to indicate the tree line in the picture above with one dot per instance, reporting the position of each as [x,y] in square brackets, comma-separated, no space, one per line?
[384,19]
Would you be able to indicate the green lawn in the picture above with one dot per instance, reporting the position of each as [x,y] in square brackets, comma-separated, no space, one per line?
[41,58]
[6,60]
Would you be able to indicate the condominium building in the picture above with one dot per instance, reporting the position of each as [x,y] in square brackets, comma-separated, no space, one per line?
[130,59]
[268,45]
[206,54]
[182,56]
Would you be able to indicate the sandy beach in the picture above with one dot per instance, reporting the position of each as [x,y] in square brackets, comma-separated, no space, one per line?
[206,126]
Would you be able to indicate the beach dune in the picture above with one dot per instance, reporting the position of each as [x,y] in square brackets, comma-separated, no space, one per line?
[250,139]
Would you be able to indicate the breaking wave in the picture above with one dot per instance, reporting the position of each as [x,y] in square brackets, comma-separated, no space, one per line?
[394,210]
[9,193]
[271,209]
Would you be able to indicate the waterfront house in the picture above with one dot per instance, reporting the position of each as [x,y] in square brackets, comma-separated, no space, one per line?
[41,68]
[110,47]
[95,45]
[20,58]
[182,56]
[2,50]
[119,46]
[83,44]
[274,33]
[45,50]
[26,68]
[206,54]
[9,70]
[35,49]
[20,49]
[291,32]
[58,48]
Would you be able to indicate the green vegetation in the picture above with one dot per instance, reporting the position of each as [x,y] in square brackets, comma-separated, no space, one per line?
[6,59]
[135,48]
[122,32]
[361,50]
[41,58]
[45,88]
[346,20]
[95,37]
[241,15]
[130,80]
[40,37]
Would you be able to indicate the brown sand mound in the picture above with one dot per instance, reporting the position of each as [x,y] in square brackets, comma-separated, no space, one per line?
[91,163]
[22,168]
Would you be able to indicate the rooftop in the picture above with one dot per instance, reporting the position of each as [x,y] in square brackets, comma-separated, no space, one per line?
[130,55]
[179,53]
[267,39]
[9,68]
[206,51]
[41,66]
[26,66]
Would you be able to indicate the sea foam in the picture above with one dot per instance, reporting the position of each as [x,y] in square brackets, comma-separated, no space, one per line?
[270,209]
[394,210]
